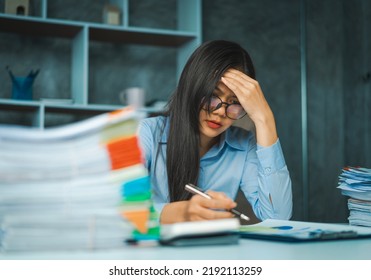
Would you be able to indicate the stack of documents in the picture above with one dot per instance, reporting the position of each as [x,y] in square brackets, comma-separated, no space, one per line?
[355,182]
[78,186]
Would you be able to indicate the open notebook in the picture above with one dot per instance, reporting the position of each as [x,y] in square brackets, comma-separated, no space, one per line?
[296,231]
[211,232]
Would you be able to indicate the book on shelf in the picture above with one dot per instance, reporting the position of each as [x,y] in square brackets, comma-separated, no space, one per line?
[77,186]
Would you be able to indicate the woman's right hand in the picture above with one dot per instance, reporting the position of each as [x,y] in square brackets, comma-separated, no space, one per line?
[198,208]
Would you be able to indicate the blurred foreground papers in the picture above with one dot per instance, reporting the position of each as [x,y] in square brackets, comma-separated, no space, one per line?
[78,186]
[355,182]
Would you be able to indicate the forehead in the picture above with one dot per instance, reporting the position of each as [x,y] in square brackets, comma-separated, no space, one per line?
[224,91]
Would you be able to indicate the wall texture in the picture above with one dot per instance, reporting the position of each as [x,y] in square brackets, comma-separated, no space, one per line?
[325,56]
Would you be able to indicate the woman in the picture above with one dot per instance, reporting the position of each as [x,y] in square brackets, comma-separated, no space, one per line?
[195,142]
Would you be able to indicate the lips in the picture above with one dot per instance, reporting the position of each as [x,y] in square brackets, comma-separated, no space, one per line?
[213,125]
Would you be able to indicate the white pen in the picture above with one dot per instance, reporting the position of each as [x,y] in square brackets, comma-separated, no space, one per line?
[195,190]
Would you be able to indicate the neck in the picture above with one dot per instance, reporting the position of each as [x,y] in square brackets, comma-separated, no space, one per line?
[206,143]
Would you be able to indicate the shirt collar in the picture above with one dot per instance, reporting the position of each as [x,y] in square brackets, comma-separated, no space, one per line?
[233,138]
[165,134]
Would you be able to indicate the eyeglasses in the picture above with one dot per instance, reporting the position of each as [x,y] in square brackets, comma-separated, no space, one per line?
[233,111]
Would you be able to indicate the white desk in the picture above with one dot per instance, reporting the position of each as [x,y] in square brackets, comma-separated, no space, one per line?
[247,249]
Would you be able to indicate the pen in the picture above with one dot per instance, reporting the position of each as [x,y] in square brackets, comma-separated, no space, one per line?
[195,190]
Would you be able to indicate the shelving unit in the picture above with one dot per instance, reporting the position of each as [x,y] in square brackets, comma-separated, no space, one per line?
[80,38]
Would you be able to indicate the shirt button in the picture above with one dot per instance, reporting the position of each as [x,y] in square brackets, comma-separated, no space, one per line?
[268,170]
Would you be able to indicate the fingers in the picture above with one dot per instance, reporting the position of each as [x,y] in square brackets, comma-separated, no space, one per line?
[200,208]
[249,95]
[252,99]
[236,74]
[240,83]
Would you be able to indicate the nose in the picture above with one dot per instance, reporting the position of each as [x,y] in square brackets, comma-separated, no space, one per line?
[221,110]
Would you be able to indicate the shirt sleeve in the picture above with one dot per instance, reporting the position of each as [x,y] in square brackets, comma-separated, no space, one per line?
[266,182]
[145,142]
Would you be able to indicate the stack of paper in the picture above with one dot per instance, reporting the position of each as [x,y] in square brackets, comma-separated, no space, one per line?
[355,182]
[79,186]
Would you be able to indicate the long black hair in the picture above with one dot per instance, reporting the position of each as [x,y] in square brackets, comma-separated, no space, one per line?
[197,83]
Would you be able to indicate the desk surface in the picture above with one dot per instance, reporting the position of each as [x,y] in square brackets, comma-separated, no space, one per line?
[247,249]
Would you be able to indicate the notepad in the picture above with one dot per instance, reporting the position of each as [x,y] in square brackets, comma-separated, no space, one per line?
[213,232]
[297,231]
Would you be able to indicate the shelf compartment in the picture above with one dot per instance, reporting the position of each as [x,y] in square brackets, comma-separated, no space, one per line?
[38,27]
[25,113]
[60,115]
[122,66]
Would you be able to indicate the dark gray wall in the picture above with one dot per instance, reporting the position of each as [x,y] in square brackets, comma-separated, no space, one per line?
[357,83]
[325,56]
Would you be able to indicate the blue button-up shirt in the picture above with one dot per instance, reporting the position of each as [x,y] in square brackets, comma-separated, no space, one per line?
[235,162]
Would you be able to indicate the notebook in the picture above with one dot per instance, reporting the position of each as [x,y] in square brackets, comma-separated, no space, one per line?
[212,232]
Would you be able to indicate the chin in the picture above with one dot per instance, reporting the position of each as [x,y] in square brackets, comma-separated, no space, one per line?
[211,133]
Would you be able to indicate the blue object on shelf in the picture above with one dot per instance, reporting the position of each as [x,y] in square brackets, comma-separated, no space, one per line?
[22,86]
